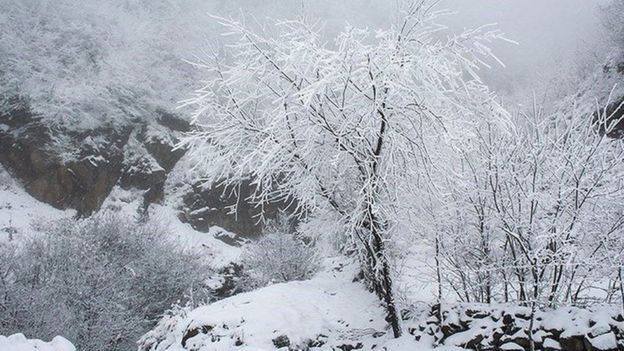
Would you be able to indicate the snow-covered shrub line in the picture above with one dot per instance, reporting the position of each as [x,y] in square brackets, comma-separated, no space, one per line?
[101,282]
[279,256]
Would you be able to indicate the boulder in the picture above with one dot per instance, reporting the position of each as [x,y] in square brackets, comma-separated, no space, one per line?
[572,343]
[603,342]
[350,347]
[281,341]
[191,333]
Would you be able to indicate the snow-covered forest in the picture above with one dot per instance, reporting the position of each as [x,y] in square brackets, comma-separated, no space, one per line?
[204,175]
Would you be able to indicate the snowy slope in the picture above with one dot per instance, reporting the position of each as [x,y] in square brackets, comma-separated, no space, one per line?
[327,312]
[20,213]
[216,252]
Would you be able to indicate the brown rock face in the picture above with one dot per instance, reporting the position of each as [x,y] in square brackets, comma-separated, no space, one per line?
[81,182]
[139,156]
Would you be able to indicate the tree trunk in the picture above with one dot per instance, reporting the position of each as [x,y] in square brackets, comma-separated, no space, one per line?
[376,266]
[385,291]
[381,280]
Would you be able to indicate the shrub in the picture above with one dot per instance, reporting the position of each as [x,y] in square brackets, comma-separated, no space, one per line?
[279,256]
[101,282]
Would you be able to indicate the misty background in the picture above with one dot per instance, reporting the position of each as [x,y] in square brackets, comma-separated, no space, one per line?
[554,37]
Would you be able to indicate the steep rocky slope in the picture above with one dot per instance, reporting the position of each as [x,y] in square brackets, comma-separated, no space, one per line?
[77,169]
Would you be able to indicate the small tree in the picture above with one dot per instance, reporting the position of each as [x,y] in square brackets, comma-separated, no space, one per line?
[349,130]
[539,207]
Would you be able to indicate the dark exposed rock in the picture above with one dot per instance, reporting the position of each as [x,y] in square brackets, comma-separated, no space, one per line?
[573,343]
[378,334]
[608,342]
[474,343]
[191,333]
[615,112]
[350,347]
[476,314]
[211,206]
[80,171]
[449,329]
[281,341]
[230,238]
[142,175]
[318,342]
[164,153]
[79,178]
[231,275]
[508,319]
[172,121]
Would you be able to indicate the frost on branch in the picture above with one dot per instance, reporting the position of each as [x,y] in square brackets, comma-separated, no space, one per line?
[349,129]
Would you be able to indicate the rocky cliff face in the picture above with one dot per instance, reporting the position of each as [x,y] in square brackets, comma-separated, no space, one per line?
[78,170]
[205,207]
[79,176]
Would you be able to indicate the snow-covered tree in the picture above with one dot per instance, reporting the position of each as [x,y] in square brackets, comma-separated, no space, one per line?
[538,209]
[345,130]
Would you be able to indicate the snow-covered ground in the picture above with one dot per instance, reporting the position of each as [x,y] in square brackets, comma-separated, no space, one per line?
[18,342]
[322,313]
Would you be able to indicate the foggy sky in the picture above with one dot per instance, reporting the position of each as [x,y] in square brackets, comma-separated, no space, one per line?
[551,33]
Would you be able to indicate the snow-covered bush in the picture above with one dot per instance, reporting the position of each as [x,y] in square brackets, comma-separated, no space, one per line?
[279,256]
[100,282]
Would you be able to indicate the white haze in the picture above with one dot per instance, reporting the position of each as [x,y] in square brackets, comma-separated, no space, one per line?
[553,35]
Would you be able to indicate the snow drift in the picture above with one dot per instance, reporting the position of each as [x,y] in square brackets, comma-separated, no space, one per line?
[18,342]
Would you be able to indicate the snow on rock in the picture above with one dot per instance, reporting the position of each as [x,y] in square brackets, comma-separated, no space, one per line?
[506,327]
[218,253]
[18,342]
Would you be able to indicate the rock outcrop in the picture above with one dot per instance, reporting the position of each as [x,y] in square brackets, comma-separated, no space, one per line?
[78,169]
[205,207]
[79,176]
